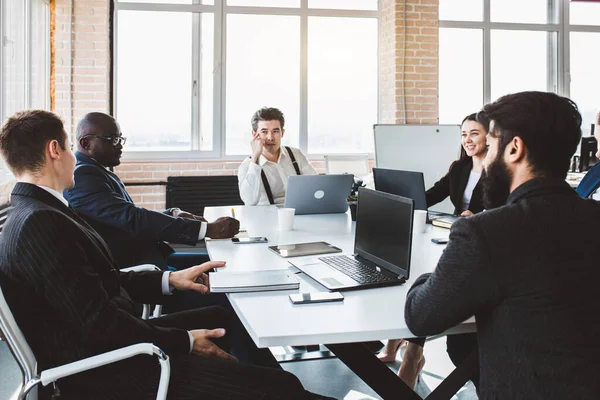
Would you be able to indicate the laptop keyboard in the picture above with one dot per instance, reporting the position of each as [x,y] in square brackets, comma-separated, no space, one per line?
[362,273]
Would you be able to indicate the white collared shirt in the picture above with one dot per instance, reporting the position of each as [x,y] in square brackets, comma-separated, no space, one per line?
[252,191]
[54,193]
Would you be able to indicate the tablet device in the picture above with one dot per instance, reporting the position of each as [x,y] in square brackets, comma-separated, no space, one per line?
[304,249]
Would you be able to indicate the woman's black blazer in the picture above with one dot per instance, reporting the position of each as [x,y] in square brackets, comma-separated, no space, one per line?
[453,184]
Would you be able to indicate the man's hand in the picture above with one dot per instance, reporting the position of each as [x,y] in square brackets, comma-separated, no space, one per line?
[466,213]
[194,278]
[257,147]
[223,228]
[204,347]
[184,214]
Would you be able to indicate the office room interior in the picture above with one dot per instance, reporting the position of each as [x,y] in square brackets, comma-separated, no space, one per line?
[184,77]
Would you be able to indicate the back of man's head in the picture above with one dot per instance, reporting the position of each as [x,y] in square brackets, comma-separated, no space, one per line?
[267,114]
[548,124]
[24,137]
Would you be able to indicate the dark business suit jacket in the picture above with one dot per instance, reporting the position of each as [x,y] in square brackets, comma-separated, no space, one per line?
[135,235]
[68,297]
[453,184]
[529,273]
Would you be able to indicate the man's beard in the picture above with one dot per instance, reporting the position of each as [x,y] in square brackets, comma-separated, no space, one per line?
[496,180]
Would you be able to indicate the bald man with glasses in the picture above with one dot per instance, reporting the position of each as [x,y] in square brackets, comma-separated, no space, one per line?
[134,234]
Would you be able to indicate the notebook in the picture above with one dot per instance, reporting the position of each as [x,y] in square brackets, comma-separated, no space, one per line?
[382,246]
[253,281]
[445,221]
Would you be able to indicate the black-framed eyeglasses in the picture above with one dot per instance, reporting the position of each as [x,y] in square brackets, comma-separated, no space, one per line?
[114,140]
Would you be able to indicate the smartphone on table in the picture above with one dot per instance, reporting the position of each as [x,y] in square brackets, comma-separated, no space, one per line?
[254,239]
[440,240]
[316,297]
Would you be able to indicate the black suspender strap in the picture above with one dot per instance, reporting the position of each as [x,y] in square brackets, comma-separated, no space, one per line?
[267,187]
[266,182]
[294,162]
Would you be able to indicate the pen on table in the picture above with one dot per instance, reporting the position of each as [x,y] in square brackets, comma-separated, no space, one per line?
[232,213]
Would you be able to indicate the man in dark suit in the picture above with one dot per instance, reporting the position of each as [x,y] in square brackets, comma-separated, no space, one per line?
[135,235]
[527,270]
[70,300]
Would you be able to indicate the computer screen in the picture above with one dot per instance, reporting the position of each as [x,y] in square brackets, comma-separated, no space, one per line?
[589,148]
[402,183]
[384,229]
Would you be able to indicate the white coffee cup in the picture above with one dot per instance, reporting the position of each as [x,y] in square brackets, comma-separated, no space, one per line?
[286,218]
[419,221]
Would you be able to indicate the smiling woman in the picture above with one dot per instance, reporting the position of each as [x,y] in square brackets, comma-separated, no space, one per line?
[461,182]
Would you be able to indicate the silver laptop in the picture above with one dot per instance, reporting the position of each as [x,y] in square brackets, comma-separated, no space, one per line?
[382,246]
[318,194]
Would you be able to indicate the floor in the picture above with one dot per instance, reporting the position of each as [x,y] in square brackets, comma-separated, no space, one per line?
[328,377]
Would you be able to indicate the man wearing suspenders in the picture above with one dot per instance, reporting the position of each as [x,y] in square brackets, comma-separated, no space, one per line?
[263,176]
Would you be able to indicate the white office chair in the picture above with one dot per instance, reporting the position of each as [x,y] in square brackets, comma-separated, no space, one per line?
[356,164]
[31,378]
[146,310]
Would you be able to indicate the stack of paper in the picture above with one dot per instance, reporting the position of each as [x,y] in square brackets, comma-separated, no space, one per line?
[253,281]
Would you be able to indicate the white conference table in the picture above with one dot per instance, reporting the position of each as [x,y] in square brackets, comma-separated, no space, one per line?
[364,315]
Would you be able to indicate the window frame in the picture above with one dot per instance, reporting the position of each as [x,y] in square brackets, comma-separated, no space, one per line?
[559,10]
[221,10]
[5,174]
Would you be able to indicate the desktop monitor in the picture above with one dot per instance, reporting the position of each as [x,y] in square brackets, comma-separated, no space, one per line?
[589,148]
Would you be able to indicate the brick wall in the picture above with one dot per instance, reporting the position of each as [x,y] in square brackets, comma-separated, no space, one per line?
[408,62]
[83,86]
[153,197]
[81,59]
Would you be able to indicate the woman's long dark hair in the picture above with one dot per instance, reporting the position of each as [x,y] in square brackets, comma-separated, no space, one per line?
[479,118]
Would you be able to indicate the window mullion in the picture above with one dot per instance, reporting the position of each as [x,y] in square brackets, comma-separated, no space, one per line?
[219,84]
[303,134]
[564,50]
[195,97]
[27,53]
[487,53]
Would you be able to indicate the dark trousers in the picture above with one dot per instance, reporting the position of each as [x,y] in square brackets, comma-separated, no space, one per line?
[459,347]
[192,376]
[242,345]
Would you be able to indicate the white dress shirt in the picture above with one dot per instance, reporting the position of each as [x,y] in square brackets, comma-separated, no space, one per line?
[166,288]
[468,193]
[252,191]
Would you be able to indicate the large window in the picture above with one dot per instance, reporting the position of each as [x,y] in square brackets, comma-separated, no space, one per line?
[489,48]
[189,74]
[24,58]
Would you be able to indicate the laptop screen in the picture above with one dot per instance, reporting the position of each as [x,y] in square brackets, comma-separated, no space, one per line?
[402,183]
[384,230]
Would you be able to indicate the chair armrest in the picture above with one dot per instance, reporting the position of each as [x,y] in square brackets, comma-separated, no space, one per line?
[141,268]
[50,375]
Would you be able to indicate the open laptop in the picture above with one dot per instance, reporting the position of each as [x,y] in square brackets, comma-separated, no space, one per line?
[382,246]
[318,194]
[409,184]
